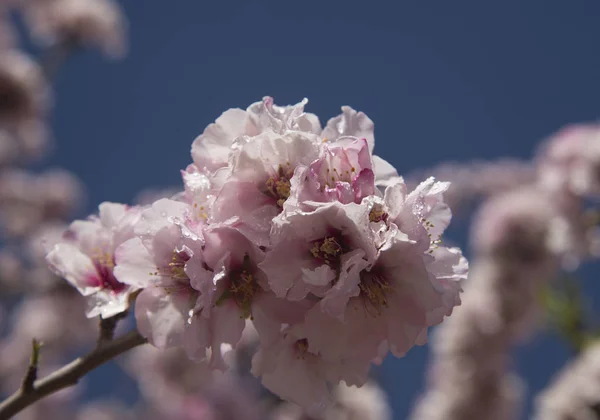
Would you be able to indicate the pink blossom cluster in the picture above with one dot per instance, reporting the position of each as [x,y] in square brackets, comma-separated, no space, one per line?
[300,229]
[569,162]
[515,238]
[574,393]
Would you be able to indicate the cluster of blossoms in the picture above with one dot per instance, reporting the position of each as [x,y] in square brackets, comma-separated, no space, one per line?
[521,237]
[297,228]
[60,27]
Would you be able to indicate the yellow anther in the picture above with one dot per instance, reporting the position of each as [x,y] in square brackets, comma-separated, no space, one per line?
[374,289]
[327,249]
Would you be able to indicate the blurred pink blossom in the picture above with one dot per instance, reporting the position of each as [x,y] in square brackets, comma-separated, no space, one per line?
[574,393]
[90,23]
[570,161]
[24,101]
[27,200]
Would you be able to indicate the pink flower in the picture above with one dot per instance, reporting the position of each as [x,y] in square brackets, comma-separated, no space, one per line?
[284,118]
[259,181]
[156,261]
[351,123]
[409,285]
[570,161]
[86,258]
[288,369]
[201,190]
[321,252]
[343,172]
[211,150]
[229,283]
[199,285]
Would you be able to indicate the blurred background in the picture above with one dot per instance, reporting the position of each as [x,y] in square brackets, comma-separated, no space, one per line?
[443,81]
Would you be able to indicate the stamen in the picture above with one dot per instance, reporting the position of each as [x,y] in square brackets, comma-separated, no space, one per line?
[279,186]
[374,289]
[328,249]
[175,270]
[301,347]
[242,287]
[378,214]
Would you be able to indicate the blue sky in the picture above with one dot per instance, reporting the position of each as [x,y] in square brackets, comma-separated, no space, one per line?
[442,81]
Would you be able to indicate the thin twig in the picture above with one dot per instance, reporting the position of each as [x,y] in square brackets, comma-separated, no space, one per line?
[69,374]
[32,369]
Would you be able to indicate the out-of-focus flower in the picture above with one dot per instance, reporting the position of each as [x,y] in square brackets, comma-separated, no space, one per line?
[7,34]
[521,227]
[574,393]
[570,161]
[24,99]
[90,23]
[27,200]
[62,192]
[86,258]
[105,410]
[368,402]
[55,406]
[50,318]
[173,386]
[497,400]
[11,271]
[518,247]
[165,376]
[478,179]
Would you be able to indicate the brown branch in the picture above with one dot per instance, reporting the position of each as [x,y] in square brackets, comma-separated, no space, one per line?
[108,326]
[69,374]
[32,369]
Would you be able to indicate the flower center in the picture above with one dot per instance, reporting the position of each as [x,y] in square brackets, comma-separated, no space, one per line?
[301,348]
[242,287]
[104,263]
[279,186]
[378,214]
[328,250]
[373,290]
[333,176]
[175,270]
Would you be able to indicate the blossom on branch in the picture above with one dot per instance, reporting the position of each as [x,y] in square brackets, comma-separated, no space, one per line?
[303,231]
[86,258]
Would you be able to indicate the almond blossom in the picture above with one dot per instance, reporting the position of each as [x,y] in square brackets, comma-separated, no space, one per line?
[343,172]
[98,23]
[306,233]
[86,258]
[155,259]
[570,161]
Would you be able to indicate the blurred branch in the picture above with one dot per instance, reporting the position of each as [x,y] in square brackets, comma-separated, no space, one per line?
[69,374]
